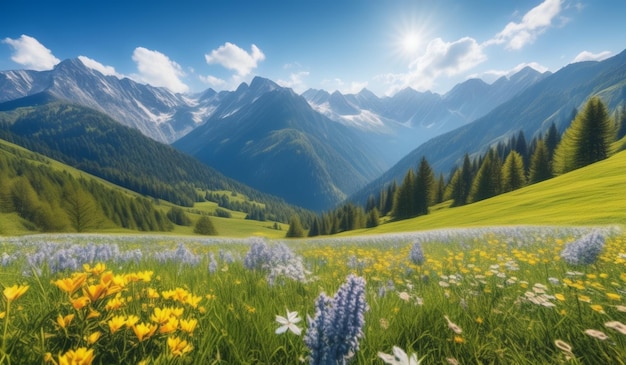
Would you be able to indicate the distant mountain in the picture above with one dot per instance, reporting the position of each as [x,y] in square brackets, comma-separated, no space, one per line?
[399,123]
[271,139]
[93,142]
[155,111]
[550,100]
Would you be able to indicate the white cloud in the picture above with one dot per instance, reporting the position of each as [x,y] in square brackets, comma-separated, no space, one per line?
[588,56]
[296,81]
[535,22]
[27,51]
[213,81]
[440,58]
[232,57]
[157,69]
[95,65]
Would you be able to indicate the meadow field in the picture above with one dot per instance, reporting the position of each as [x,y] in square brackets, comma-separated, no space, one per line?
[499,295]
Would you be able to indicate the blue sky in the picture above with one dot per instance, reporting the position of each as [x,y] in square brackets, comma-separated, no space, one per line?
[345,45]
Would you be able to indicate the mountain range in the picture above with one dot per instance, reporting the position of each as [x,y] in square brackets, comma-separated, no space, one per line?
[319,148]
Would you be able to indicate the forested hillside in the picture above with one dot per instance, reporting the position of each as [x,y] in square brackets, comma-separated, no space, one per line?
[52,201]
[93,142]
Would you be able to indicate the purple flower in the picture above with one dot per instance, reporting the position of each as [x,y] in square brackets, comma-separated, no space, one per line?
[333,335]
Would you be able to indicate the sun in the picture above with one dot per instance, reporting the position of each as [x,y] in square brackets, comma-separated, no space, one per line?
[410,43]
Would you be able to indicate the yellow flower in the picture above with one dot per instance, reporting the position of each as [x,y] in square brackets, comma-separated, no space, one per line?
[459,339]
[114,303]
[144,331]
[584,298]
[178,347]
[96,270]
[131,320]
[93,338]
[161,316]
[152,294]
[116,323]
[188,325]
[70,285]
[80,356]
[597,307]
[80,302]
[560,297]
[613,296]
[479,320]
[3,314]
[14,292]
[63,322]
[193,300]
[95,292]
[170,326]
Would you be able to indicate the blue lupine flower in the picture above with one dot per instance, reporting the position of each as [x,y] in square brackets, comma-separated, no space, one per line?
[333,335]
[417,254]
[584,251]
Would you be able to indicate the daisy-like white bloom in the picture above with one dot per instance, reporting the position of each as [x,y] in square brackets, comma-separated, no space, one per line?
[399,357]
[289,323]
[616,325]
[597,334]
[451,325]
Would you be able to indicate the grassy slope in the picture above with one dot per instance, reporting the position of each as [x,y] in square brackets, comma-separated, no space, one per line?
[237,226]
[594,195]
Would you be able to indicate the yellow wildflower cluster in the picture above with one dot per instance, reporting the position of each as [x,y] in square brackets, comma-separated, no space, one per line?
[105,308]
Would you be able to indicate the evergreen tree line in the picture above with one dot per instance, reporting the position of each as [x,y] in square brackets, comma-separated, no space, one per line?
[512,164]
[52,201]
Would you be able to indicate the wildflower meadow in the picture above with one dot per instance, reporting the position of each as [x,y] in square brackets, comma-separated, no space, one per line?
[501,295]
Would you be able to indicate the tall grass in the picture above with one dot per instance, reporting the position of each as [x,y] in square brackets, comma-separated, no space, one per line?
[488,295]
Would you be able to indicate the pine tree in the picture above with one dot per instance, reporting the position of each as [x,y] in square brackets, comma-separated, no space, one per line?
[295,228]
[461,183]
[488,180]
[440,190]
[423,191]
[81,210]
[205,227]
[372,218]
[513,176]
[587,140]
[540,165]
[315,228]
[403,200]
[620,123]
[552,139]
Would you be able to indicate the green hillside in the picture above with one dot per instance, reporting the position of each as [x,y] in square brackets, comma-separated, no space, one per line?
[11,223]
[593,195]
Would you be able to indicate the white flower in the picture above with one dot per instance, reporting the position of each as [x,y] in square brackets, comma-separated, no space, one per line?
[289,323]
[399,357]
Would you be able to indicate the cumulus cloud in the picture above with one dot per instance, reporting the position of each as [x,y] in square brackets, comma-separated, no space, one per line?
[214,82]
[536,21]
[157,69]
[588,56]
[27,51]
[234,58]
[95,65]
[440,58]
[296,81]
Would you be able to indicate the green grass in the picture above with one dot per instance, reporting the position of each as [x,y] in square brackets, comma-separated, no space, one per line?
[593,195]
[490,284]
